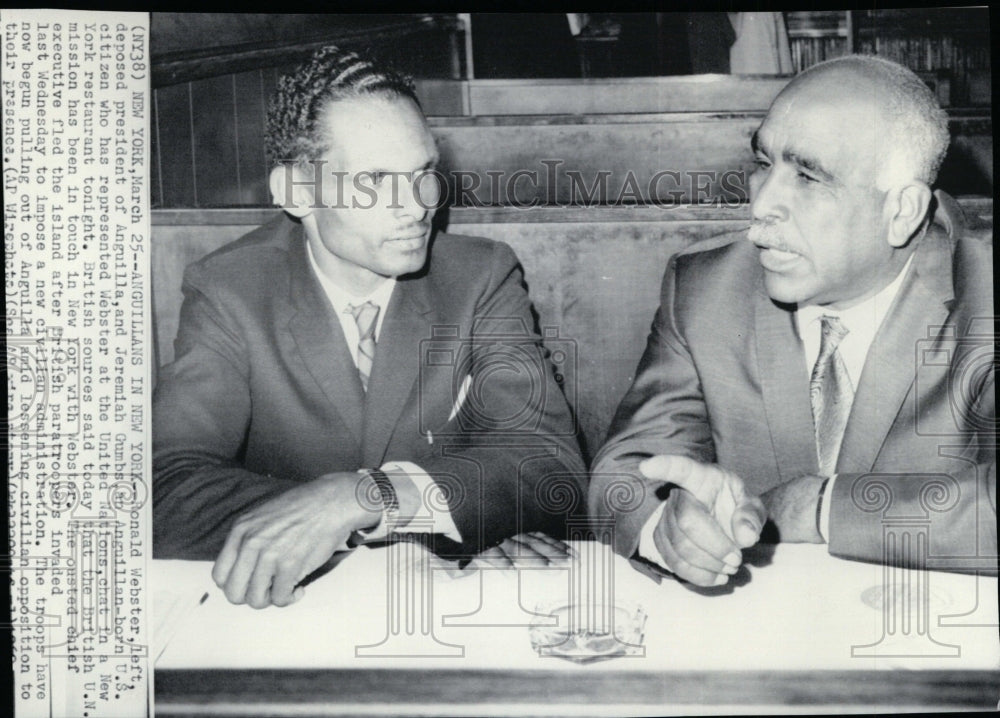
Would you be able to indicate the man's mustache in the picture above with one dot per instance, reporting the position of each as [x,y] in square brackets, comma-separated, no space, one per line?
[766,234]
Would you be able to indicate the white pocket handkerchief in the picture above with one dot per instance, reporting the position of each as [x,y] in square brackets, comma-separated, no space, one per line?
[460,399]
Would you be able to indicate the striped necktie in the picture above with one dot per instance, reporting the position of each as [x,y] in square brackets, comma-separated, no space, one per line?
[366,316]
[831,395]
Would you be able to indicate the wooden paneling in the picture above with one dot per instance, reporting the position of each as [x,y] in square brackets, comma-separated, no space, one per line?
[443,98]
[216,160]
[173,249]
[188,47]
[250,153]
[209,136]
[675,158]
[693,93]
[172,123]
[706,155]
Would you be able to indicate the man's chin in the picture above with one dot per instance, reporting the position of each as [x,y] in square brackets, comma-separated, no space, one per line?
[781,291]
[409,263]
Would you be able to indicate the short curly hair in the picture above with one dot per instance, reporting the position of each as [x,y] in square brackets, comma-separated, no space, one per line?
[331,74]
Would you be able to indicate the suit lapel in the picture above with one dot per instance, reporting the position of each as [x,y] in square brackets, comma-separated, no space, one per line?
[396,366]
[320,341]
[890,366]
[784,388]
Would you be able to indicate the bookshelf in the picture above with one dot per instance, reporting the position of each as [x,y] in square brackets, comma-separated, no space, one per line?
[948,47]
[818,35]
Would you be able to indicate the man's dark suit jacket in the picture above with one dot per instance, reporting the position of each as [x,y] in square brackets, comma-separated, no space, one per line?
[723,379]
[263,393]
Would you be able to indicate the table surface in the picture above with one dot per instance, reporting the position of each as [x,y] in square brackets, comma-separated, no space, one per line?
[396,630]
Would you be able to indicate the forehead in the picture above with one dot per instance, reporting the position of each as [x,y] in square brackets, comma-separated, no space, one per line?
[377,133]
[824,121]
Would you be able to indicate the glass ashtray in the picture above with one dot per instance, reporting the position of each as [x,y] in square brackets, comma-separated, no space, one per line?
[913,597]
[586,632]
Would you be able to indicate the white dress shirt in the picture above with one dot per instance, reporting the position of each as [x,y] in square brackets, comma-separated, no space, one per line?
[862,322]
[341,300]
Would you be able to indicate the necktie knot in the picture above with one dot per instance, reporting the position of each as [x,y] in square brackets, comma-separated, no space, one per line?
[365,315]
[832,332]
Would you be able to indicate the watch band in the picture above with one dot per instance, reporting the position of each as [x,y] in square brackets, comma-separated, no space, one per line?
[390,502]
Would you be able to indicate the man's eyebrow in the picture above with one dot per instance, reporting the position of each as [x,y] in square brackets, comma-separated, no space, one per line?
[755,143]
[429,164]
[809,164]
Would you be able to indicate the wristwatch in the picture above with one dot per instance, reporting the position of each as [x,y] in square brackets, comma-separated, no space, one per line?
[390,502]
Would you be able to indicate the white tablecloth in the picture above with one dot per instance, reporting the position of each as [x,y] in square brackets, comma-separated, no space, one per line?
[792,607]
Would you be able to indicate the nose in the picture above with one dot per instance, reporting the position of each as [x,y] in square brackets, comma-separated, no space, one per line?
[419,195]
[767,196]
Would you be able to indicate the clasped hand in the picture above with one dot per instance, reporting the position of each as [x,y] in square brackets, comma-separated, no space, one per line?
[276,544]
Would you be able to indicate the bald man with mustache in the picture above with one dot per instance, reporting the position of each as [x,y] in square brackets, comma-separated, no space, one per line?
[806,376]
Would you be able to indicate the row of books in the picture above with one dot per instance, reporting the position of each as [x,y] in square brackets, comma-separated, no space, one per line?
[807,51]
[968,21]
[920,54]
[940,52]
[816,23]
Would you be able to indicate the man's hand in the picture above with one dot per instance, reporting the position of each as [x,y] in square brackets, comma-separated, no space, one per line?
[531,549]
[791,506]
[273,546]
[706,522]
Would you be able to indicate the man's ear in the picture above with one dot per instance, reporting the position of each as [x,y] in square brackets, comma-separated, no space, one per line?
[906,211]
[293,191]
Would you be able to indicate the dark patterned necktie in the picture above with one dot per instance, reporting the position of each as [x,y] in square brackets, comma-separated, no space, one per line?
[366,316]
[831,395]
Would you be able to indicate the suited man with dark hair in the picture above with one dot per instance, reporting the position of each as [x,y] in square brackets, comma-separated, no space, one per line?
[824,370]
[336,380]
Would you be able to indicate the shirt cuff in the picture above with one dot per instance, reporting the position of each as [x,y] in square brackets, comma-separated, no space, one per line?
[647,544]
[824,510]
[440,521]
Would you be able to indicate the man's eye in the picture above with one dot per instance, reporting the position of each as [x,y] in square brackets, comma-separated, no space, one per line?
[374,179]
[762,163]
[804,177]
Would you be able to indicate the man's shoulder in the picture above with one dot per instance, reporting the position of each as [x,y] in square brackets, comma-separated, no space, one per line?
[723,250]
[464,259]
[460,249]
[973,267]
[971,280]
[248,259]
[726,264]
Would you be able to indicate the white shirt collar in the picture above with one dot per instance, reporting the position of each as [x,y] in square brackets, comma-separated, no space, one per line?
[861,320]
[869,312]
